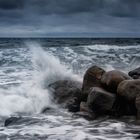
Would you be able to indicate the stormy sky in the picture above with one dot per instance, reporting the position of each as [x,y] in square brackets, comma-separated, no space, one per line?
[95,18]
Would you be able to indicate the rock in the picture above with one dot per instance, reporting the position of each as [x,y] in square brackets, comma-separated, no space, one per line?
[67,93]
[73,105]
[92,78]
[20,120]
[137,103]
[100,101]
[126,95]
[11,121]
[110,80]
[86,115]
[88,112]
[129,89]
[84,107]
[138,137]
[123,107]
[135,74]
[48,110]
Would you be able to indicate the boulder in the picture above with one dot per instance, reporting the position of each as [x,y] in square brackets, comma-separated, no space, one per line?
[129,89]
[67,93]
[92,78]
[100,101]
[127,92]
[135,74]
[123,107]
[12,120]
[137,104]
[73,104]
[85,112]
[137,137]
[110,80]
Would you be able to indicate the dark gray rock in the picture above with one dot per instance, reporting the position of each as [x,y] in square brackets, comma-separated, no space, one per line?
[48,110]
[20,120]
[137,103]
[67,93]
[123,107]
[12,121]
[73,104]
[135,74]
[126,95]
[100,101]
[138,137]
[129,89]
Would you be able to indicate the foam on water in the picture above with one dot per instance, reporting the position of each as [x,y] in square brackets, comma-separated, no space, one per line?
[65,127]
[46,68]
[27,71]
[108,47]
[32,95]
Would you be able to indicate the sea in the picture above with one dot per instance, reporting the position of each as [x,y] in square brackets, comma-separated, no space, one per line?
[28,65]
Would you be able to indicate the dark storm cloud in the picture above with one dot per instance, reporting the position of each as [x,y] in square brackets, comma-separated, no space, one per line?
[68,6]
[120,8]
[11,4]
[125,8]
[42,17]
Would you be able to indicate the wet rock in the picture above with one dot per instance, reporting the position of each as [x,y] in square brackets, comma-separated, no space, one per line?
[100,101]
[110,80]
[138,137]
[20,120]
[137,103]
[126,95]
[123,107]
[67,93]
[48,110]
[86,112]
[86,115]
[73,105]
[84,107]
[11,121]
[92,78]
[129,89]
[135,74]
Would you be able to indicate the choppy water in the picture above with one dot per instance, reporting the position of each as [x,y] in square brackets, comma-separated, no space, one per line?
[28,65]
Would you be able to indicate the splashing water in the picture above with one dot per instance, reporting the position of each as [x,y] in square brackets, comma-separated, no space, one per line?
[32,95]
[28,67]
[48,68]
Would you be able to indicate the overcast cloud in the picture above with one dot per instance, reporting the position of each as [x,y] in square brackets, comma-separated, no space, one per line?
[70,18]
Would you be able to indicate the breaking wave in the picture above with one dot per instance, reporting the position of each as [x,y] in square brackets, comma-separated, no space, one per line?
[32,94]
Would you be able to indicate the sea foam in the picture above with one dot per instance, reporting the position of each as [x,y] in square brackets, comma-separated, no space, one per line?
[32,95]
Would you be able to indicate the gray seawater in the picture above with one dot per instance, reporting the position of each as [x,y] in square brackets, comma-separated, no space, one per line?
[27,66]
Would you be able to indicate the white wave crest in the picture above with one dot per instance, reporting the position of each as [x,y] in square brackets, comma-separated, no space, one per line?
[32,95]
